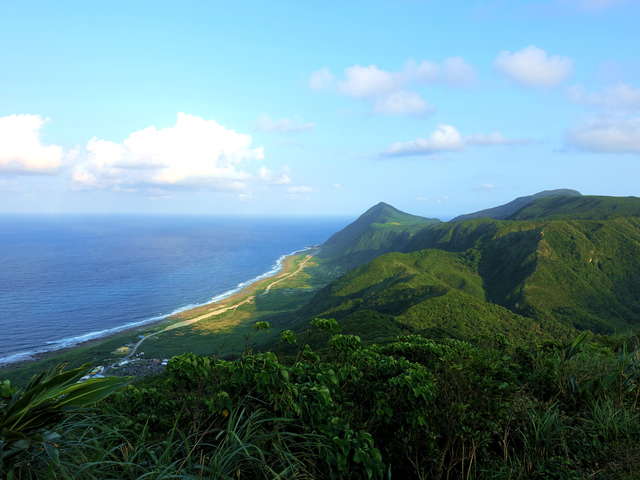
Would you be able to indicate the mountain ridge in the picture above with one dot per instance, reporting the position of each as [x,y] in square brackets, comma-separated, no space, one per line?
[566,262]
[504,211]
[585,207]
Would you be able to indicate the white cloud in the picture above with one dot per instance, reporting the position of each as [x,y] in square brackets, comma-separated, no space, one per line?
[388,90]
[402,103]
[621,96]
[607,135]
[321,79]
[447,138]
[300,189]
[21,149]
[195,152]
[362,82]
[533,67]
[487,187]
[372,81]
[282,125]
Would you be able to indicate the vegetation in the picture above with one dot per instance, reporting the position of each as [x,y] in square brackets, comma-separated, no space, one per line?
[410,408]
[380,229]
[580,273]
[431,292]
[29,416]
[508,209]
[477,349]
[586,208]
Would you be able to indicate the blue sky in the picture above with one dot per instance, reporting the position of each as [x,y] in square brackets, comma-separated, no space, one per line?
[439,108]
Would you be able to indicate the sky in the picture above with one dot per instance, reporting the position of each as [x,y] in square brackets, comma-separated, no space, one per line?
[314,108]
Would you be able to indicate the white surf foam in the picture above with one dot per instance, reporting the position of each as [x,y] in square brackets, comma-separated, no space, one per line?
[76,340]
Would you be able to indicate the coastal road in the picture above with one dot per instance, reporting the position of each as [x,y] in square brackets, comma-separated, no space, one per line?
[184,323]
[213,313]
[288,275]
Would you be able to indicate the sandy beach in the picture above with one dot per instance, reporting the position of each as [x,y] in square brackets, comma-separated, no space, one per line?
[290,266]
[246,295]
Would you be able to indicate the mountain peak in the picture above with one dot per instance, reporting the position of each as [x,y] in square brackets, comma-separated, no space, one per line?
[382,207]
[382,228]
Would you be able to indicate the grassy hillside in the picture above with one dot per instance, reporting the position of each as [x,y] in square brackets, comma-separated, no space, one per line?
[582,272]
[586,208]
[505,211]
[472,279]
[379,230]
[431,292]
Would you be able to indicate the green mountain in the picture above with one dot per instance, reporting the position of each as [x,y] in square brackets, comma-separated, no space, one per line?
[379,230]
[430,292]
[584,207]
[573,264]
[508,209]
[584,273]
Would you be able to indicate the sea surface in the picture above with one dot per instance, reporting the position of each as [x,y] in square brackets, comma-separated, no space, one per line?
[68,279]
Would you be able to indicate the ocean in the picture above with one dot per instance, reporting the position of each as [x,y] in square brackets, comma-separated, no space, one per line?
[68,279]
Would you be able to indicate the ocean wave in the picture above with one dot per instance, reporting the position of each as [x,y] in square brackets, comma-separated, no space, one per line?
[54,345]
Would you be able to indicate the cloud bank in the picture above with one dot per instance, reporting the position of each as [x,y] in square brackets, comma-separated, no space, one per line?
[607,135]
[194,153]
[22,150]
[389,91]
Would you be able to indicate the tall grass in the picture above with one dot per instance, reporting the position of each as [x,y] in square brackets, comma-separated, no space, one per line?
[608,422]
[250,445]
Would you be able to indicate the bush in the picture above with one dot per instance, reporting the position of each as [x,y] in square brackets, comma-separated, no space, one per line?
[412,408]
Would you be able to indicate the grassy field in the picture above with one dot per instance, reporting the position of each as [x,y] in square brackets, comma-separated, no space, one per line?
[227,334]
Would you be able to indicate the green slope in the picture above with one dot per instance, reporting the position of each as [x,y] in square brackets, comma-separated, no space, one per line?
[586,208]
[432,292]
[584,273]
[587,274]
[505,211]
[525,278]
[379,230]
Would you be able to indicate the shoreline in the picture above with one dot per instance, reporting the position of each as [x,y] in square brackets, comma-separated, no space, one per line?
[181,315]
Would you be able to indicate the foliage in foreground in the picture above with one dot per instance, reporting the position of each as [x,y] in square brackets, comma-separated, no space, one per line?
[411,408]
[29,416]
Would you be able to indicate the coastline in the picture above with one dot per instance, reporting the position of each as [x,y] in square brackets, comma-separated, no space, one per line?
[156,324]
